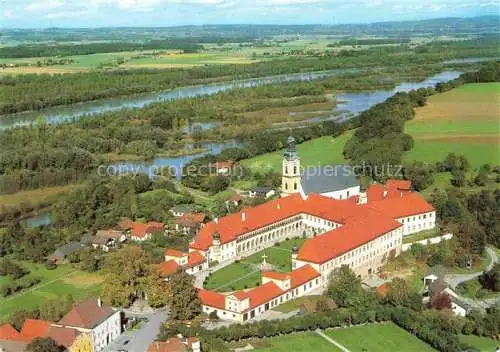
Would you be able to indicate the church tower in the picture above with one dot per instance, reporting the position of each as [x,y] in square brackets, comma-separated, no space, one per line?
[290,179]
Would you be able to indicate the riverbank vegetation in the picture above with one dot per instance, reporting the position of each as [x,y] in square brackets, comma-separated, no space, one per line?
[35,92]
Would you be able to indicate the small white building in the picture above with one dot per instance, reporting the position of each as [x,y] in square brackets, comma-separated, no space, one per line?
[264,192]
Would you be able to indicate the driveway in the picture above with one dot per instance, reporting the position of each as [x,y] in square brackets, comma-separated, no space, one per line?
[455,279]
[138,340]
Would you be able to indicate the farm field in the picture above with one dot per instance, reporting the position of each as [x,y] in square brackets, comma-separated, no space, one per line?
[63,280]
[299,342]
[319,151]
[463,121]
[246,274]
[378,338]
[483,344]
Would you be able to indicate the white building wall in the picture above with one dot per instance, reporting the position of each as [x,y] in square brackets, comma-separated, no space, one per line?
[343,193]
[107,331]
[419,222]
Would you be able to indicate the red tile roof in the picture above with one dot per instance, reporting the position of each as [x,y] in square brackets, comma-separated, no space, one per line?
[261,294]
[7,332]
[168,268]
[352,235]
[401,185]
[87,314]
[195,258]
[33,328]
[173,344]
[174,253]
[375,192]
[383,289]
[212,299]
[219,165]
[276,276]
[407,205]
[62,336]
[156,225]
[302,275]
[141,230]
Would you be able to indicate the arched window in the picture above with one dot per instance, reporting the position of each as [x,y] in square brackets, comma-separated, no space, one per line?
[295,170]
[286,170]
[286,185]
[295,186]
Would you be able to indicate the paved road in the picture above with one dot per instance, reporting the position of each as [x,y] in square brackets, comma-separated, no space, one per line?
[138,340]
[455,279]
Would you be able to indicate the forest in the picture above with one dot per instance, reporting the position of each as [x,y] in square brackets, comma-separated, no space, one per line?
[35,92]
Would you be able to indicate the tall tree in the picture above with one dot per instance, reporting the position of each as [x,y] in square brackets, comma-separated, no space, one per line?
[183,301]
[40,344]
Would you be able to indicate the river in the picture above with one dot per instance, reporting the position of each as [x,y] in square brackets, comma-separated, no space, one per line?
[68,112]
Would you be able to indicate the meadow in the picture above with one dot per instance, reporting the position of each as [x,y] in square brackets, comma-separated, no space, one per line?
[245,273]
[319,151]
[461,121]
[299,342]
[63,280]
[378,338]
[483,344]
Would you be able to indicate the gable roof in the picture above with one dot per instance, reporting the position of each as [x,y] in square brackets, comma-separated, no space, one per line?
[329,178]
[212,298]
[407,204]
[33,328]
[191,219]
[173,344]
[168,268]
[7,332]
[62,336]
[302,275]
[355,233]
[400,185]
[275,275]
[87,314]
[67,249]
[174,253]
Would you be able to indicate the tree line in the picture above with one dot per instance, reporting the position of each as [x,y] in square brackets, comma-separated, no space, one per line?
[35,92]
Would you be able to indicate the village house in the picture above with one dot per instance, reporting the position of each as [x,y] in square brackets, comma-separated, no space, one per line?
[222,168]
[101,322]
[181,209]
[107,239]
[62,253]
[89,326]
[234,201]
[190,223]
[176,344]
[139,232]
[264,192]
[175,260]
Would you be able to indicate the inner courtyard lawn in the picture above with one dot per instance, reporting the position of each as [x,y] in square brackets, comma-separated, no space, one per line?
[463,121]
[378,338]
[246,273]
[299,342]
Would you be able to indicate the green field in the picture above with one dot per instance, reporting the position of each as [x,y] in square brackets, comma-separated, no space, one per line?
[245,273]
[378,338]
[483,344]
[463,121]
[319,151]
[63,280]
[299,342]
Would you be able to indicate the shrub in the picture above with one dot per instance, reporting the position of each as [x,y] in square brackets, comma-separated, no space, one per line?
[50,265]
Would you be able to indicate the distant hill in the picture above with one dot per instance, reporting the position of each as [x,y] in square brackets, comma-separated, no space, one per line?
[440,26]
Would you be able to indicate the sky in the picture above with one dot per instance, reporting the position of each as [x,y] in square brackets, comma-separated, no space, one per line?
[162,13]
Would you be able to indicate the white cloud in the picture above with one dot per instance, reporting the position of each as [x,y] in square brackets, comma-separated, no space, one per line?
[66,14]
[44,5]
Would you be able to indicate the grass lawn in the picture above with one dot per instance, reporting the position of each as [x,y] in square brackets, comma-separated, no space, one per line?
[296,303]
[463,121]
[422,235]
[483,344]
[246,274]
[299,342]
[34,197]
[378,337]
[319,151]
[65,279]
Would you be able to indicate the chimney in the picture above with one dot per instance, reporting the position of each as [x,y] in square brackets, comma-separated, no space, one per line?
[243,216]
[363,197]
[216,220]
[278,206]
[99,302]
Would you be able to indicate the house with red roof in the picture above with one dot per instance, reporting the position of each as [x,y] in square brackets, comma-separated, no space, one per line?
[175,260]
[137,231]
[176,344]
[101,322]
[276,288]
[222,168]
[190,222]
